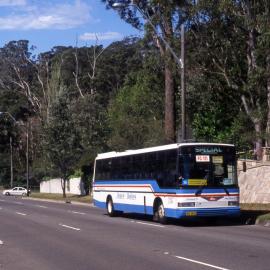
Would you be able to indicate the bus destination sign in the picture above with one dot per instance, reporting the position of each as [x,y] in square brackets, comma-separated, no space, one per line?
[202,158]
[208,150]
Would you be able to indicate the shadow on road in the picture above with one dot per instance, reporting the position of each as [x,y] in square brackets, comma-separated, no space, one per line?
[246,218]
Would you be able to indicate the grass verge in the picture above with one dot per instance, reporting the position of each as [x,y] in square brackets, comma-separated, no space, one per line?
[59,197]
[255,213]
[263,219]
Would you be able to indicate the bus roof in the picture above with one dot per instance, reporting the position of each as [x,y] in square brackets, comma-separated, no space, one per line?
[154,149]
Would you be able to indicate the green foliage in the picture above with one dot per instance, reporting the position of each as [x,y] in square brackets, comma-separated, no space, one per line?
[89,119]
[76,174]
[136,113]
[231,68]
[61,139]
[118,59]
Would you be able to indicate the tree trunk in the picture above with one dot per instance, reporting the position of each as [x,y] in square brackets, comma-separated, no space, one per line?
[169,106]
[268,102]
[258,143]
[254,107]
[169,83]
[63,184]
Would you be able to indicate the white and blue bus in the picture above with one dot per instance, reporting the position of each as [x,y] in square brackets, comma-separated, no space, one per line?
[176,181]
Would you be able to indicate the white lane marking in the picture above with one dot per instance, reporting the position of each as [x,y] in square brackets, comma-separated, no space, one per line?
[1,208]
[19,213]
[79,213]
[148,224]
[69,227]
[201,263]
[42,206]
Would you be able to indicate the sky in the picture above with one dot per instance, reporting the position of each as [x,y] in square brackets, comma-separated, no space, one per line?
[49,23]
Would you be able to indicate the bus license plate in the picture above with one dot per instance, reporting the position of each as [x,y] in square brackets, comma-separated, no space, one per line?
[191,213]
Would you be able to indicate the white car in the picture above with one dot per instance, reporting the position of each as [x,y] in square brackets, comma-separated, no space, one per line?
[19,191]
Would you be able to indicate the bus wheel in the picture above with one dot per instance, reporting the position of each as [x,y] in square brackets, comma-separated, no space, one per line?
[110,207]
[160,213]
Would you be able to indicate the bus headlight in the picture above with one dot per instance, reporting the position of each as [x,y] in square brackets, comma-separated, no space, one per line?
[186,204]
[233,203]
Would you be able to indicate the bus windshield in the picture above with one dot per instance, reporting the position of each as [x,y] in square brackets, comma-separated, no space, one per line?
[208,166]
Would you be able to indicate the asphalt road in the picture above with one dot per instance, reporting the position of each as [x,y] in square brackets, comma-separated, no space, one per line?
[47,236]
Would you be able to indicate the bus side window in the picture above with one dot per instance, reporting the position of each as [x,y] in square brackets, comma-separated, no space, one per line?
[143,166]
[124,167]
[129,166]
[136,167]
[97,170]
[160,168]
[121,168]
[115,168]
[108,168]
[170,168]
[103,170]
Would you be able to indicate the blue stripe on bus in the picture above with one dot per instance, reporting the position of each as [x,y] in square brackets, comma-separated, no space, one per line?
[157,189]
[127,208]
[174,213]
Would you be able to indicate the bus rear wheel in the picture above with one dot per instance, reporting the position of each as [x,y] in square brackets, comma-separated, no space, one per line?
[110,207]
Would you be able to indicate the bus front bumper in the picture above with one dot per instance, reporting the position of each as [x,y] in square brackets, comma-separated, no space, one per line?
[202,212]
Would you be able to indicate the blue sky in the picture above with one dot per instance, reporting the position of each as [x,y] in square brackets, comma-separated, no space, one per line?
[49,23]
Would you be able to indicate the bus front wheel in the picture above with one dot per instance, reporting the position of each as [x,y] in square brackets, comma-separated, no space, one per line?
[110,207]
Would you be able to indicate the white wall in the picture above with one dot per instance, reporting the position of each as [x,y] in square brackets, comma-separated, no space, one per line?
[54,186]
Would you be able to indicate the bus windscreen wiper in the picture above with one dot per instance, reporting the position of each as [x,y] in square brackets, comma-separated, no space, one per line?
[199,191]
[226,190]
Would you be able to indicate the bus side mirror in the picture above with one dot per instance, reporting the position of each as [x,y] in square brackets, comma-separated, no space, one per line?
[178,179]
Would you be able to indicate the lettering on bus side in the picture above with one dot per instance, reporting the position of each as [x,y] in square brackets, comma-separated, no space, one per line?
[120,196]
[128,196]
[131,196]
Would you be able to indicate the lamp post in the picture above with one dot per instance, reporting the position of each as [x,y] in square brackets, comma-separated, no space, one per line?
[11,152]
[11,162]
[179,61]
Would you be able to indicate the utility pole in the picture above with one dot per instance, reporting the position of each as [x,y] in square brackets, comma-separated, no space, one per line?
[183,85]
[27,158]
[11,162]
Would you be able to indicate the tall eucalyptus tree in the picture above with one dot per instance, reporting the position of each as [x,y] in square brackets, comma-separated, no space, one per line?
[232,40]
[162,22]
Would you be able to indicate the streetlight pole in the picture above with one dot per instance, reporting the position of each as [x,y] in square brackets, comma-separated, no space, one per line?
[11,162]
[27,159]
[11,152]
[10,149]
[179,61]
